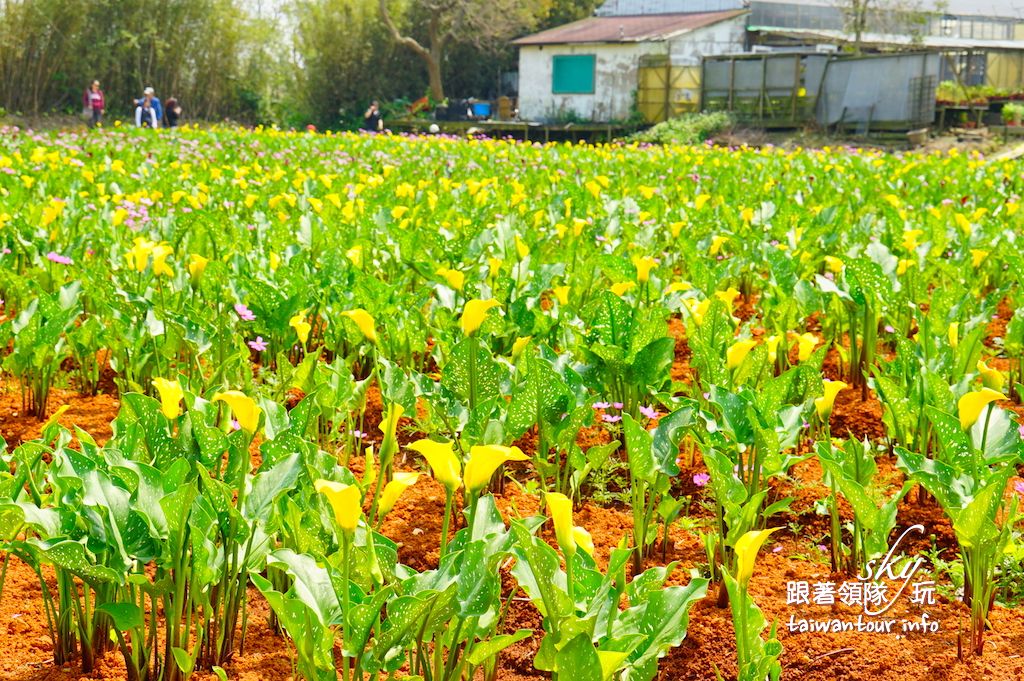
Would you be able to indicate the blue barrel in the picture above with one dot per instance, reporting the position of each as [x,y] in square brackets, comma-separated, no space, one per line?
[482,109]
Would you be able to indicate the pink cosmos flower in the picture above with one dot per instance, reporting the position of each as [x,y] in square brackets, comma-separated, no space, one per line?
[649,412]
[701,479]
[244,313]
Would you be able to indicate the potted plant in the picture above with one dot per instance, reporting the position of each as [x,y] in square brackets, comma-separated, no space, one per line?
[1012,113]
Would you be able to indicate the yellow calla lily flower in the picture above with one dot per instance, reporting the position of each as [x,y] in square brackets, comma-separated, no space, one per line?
[953,333]
[806,342]
[644,266]
[301,326]
[716,244]
[355,256]
[474,313]
[678,287]
[196,267]
[823,405]
[697,309]
[562,294]
[443,461]
[773,347]
[171,395]
[737,352]
[522,249]
[978,256]
[243,408]
[973,403]
[964,224]
[138,255]
[402,481]
[746,553]
[991,378]
[910,239]
[560,510]
[622,287]
[364,320]
[484,460]
[833,264]
[583,540]
[453,278]
[728,296]
[346,501]
[520,345]
[369,467]
[160,254]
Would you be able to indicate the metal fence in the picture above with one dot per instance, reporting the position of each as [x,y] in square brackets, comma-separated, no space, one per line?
[791,89]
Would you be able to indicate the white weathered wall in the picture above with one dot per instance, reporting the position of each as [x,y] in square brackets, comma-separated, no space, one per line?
[614,82]
[725,37]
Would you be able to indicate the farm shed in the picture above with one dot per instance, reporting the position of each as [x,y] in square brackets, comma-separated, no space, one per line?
[592,69]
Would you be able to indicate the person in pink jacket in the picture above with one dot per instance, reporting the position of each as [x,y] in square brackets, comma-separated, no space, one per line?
[92,101]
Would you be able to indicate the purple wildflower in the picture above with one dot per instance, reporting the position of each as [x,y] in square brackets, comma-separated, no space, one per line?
[701,479]
[1020,431]
[58,258]
[245,313]
[617,405]
[777,548]
[601,405]
[358,434]
[1018,487]
[889,328]
[608,418]
[235,425]
[259,345]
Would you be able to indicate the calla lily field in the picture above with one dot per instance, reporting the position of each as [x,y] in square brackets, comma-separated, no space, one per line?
[318,406]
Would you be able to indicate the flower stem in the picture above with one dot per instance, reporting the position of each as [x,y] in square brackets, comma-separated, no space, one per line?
[446,523]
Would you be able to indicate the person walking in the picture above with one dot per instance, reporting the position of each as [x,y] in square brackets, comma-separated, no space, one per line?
[148,111]
[93,103]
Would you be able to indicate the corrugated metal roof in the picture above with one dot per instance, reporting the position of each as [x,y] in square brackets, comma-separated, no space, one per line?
[630,7]
[627,29]
[882,39]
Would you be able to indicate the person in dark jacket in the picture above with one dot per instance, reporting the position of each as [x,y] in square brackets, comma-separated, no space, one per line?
[172,112]
[372,120]
[92,101]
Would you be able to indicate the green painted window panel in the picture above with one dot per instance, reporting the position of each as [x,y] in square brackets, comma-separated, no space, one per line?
[573,74]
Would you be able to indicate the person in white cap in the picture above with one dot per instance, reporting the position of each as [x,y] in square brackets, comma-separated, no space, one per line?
[148,111]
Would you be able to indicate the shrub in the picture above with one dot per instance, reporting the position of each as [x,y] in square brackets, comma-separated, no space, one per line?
[687,129]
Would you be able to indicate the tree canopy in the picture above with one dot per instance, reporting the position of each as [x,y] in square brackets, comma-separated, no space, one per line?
[308,61]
